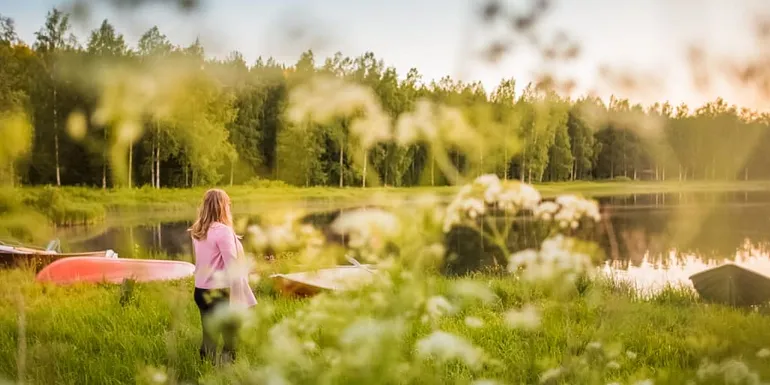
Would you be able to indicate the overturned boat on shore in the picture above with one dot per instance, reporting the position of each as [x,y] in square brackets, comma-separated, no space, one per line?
[96,270]
[733,285]
[338,278]
[22,256]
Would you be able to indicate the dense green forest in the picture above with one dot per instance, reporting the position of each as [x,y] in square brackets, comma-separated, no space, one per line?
[227,123]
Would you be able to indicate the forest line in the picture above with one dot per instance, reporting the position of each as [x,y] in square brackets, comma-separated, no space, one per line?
[225,122]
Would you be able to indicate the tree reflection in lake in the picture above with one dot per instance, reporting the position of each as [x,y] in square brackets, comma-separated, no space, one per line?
[651,231]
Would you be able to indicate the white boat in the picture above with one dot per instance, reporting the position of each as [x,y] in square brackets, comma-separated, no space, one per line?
[338,278]
[28,256]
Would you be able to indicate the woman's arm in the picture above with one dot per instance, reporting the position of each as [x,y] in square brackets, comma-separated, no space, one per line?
[225,242]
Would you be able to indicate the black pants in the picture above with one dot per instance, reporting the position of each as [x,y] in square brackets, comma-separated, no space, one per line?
[208,301]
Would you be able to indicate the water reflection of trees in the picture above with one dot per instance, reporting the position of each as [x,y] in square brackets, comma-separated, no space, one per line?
[648,228]
[712,230]
[159,239]
[645,228]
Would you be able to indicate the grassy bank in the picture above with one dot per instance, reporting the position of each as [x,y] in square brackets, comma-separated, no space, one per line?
[86,204]
[603,334]
[25,211]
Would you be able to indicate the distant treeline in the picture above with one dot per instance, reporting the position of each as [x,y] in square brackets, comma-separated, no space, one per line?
[228,126]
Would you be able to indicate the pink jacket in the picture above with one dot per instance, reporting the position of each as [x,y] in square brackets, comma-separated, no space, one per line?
[217,264]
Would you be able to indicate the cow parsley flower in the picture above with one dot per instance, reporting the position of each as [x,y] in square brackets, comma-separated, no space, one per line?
[447,347]
[528,318]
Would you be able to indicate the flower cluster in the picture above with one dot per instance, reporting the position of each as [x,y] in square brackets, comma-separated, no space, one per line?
[432,123]
[287,236]
[567,211]
[327,98]
[557,256]
[449,347]
[527,318]
[488,193]
[369,231]
[730,371]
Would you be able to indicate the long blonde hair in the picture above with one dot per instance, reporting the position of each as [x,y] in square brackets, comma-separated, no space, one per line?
[215,208]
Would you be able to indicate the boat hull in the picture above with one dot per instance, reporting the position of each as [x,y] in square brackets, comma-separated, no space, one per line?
[37,259]
[113,270]
[310,283]
[732,285]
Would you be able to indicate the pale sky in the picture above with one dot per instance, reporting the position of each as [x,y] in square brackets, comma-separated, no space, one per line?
[645,36]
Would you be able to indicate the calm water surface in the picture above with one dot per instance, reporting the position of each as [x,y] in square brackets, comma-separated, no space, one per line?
[659,238]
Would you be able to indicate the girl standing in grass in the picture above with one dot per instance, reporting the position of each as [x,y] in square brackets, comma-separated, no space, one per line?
[217,281]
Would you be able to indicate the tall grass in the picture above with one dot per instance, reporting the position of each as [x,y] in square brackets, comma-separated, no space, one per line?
[541,317]
[113,335]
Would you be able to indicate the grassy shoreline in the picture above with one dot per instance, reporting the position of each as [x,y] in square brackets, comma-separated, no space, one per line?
[26,212]
[93,334]
[147,199]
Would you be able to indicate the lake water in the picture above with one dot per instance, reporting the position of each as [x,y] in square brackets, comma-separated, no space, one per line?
[659,238]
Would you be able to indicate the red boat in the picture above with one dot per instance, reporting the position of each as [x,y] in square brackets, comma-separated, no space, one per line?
[113,270]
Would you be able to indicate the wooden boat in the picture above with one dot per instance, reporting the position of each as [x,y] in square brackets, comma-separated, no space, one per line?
[113,270]
[337,278]
[733,285]
[18,256]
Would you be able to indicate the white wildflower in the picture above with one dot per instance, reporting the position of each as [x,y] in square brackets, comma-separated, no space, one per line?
[435,250]
[631,355]
[490,183]
[272,376]
[237,270]
[364,331]
[367,229]
[446,347]
[231,313]
[159,377]
[556,256]
[763,353]
[365,337]
[530,197]
[595,345]
[407,131]
[473,290]
[326,98]
[281,236]
[521,258]
[492,194]
[417,124]
[546,210]
[473,208]
[454,127]
[488,180]
[451,218]
[474,322]
[614,365]
[528,318]
[517,196]
[550,374]
[573,208]
[257,237]
[438,306]
[706,370]
[285,344]
[372,129]
[737,372]
[465,191]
